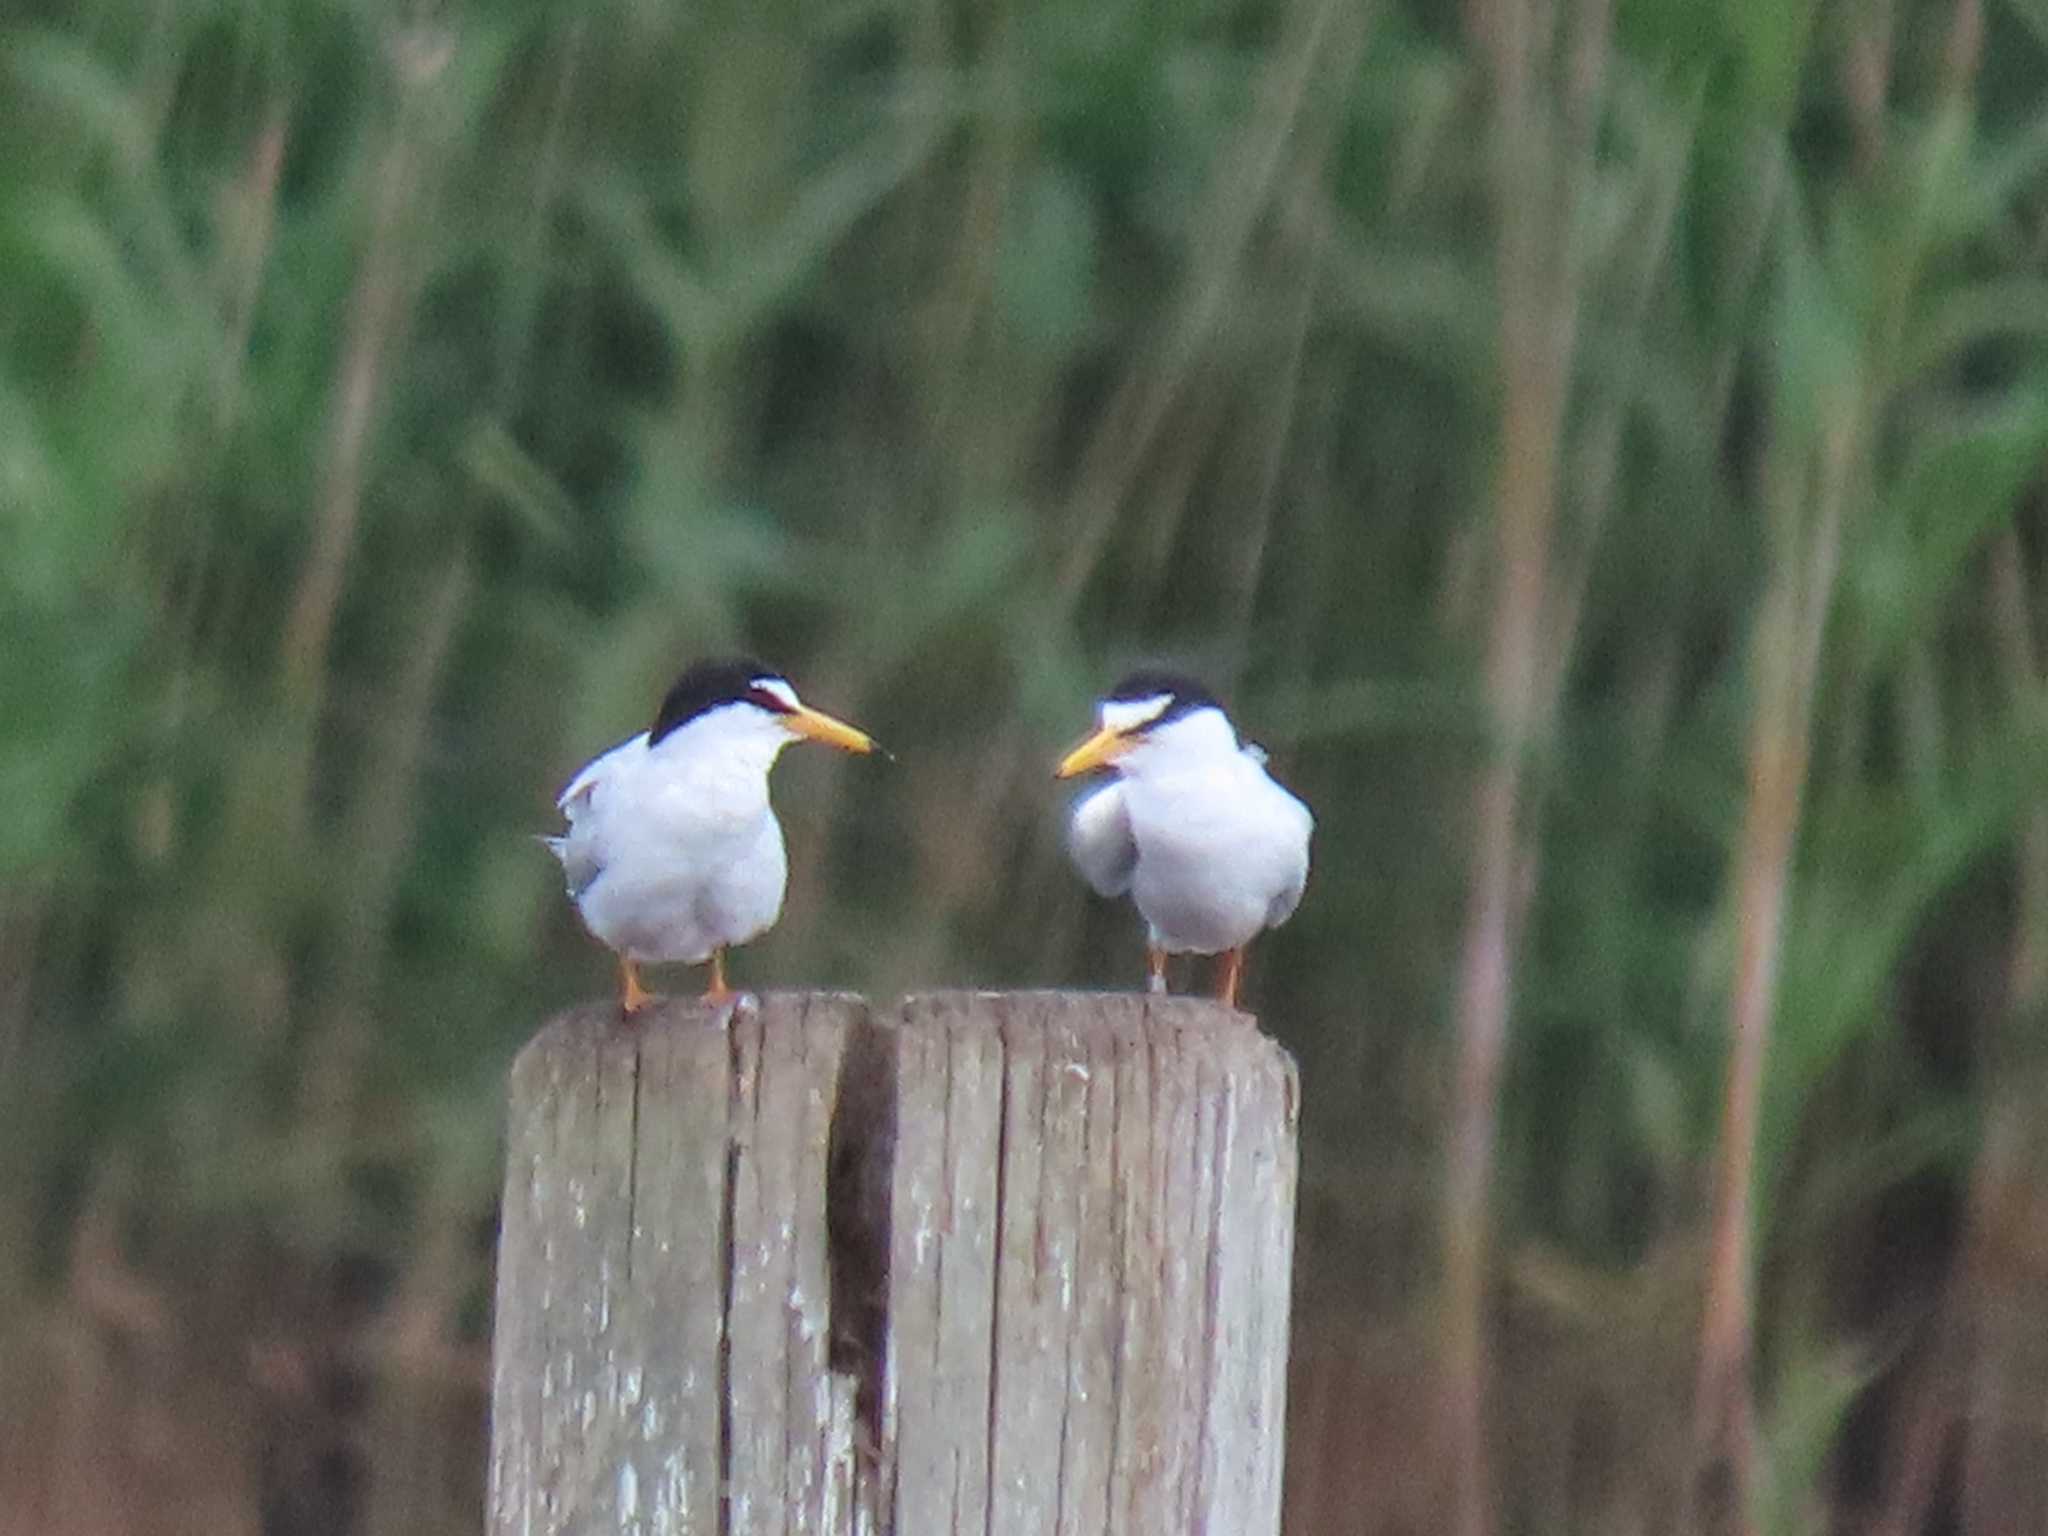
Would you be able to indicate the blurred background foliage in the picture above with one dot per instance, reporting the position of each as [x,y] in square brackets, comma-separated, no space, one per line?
[1598,447]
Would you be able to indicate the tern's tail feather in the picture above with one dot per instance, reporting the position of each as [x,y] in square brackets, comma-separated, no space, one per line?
[579,862]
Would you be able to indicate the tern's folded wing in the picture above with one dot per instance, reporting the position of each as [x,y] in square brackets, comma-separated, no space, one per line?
[1099,839]
[582,849]
[1288,897]
[581,863]
[577,793]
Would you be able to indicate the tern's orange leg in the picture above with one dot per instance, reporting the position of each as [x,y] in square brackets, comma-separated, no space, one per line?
[717,991]
[1232,976]
[632,996]
[1155,968]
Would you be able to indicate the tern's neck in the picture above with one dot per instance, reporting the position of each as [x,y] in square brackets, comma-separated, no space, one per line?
[1195,739]
[734,741]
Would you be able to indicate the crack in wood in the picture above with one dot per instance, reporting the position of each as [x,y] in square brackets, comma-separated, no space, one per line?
[727,1266]
[859,1236]
[633,1168]
[1217,1235]
[1119,1247]
[995,1332]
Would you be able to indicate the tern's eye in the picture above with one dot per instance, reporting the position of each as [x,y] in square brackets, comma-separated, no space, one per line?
[777,700]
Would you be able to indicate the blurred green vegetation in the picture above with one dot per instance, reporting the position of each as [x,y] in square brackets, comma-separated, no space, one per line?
[1641,410]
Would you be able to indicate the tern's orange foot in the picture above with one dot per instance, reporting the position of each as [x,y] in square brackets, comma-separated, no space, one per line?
[1155,969]
[716,991]
[1232,977]
[633,998]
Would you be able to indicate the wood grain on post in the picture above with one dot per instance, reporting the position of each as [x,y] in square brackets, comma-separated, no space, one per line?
[981,1263]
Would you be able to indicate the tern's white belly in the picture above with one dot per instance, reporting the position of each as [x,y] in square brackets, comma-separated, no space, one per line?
[668,900]
[1212,859]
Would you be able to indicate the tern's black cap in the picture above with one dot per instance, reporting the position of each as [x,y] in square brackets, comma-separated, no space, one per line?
[712,683]
[1183,694]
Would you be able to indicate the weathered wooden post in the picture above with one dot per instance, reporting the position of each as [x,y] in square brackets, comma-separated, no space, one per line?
[987,1263]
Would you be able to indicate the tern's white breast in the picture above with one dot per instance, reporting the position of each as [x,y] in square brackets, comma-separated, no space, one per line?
[1222,852]
[688,854]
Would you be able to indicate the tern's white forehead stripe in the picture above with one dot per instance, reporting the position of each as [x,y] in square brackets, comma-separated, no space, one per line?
[1129,714]
[777,688]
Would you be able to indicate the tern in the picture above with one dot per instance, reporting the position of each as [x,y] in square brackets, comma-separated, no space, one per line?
[673,852]
[1191,825]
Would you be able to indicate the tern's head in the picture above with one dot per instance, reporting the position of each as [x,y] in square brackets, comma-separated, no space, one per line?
[1150,717]
[738,705]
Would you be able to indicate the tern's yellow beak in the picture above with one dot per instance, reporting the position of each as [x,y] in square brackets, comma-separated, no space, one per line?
[1105,746]
[818,726]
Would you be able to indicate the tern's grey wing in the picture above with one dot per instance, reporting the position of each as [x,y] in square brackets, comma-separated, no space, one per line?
[580,862]
[1099,839]
[1288,897]
[576,797]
